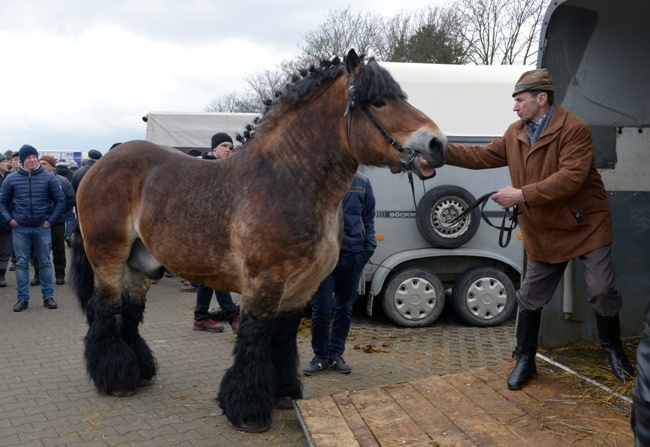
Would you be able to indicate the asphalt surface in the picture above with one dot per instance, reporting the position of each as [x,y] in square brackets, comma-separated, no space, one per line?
[47,400]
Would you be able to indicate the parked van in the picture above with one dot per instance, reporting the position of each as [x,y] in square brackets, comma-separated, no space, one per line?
[420,259]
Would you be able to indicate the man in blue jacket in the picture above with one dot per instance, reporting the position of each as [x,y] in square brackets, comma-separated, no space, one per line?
[30,200]
[331,306]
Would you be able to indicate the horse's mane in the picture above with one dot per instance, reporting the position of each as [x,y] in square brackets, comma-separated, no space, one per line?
[373,82]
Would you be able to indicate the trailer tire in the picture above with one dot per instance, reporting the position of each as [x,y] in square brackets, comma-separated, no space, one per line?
[413,297]
[442,204]
[484,296]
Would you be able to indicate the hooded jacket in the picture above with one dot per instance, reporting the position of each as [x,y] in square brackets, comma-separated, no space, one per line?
[566,213]
[31,198]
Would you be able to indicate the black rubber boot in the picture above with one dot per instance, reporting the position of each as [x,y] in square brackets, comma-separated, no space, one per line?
[609,331]
[527,331]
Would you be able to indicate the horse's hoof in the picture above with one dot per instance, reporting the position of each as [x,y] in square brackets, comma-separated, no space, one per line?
[252,427]
[284,403]
[121,393]
[145,382]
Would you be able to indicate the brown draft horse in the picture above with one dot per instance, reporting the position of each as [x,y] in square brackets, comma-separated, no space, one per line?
[265,222]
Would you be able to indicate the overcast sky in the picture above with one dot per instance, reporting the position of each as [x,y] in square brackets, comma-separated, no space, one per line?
[79,75]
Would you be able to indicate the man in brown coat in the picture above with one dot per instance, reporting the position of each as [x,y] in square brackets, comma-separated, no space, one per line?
[564,215]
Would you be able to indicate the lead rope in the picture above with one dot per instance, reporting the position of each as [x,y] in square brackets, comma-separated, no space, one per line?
[512,216]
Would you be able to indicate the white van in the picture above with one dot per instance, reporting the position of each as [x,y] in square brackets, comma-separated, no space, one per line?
[418,259]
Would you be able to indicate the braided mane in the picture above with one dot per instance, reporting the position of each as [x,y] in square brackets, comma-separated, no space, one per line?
[373,82]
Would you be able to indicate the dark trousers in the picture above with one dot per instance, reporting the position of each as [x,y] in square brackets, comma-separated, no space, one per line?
[203,298]
[332,304]
[542,279]
[58,251]
[6,248]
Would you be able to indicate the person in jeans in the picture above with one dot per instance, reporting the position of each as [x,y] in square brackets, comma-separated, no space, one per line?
[6,239]
[331,306]
[221,144]
[58,228]
[30,200]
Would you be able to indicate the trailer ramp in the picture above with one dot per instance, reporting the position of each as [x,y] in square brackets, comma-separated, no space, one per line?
[470,408]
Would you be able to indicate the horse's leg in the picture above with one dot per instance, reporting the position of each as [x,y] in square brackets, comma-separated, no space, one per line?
[132,316]
[285,358]
[117,358]
[247,391]
[111,364]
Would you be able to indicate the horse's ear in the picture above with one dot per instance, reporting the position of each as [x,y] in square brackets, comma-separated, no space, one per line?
[373,61]
[353,63]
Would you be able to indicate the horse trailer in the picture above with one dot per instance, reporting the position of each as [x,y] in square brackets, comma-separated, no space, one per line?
[420,260]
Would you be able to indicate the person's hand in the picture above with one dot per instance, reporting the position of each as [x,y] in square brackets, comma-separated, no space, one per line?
[13,223]
[508,196]
[367,255]
[47,224]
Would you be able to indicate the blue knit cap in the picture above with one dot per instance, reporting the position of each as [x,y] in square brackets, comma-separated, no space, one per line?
[26,151]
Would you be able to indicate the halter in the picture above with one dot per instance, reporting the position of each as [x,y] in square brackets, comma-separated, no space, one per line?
[403,150]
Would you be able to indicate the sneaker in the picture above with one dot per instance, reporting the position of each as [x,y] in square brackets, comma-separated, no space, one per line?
[207,325]
[35,282]
[67,241]
[314,366]
[21,305]
[60,281]
[167,274]
[50,303]
[234,324]
[336,361]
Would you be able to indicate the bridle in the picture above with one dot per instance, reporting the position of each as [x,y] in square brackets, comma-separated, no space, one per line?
[351,105]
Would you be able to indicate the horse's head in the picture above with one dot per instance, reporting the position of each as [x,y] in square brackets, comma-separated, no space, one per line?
[386,126]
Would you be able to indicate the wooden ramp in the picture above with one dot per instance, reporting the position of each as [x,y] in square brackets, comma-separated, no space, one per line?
[471,408]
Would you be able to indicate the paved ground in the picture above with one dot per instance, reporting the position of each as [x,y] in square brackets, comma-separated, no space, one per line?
[46,399]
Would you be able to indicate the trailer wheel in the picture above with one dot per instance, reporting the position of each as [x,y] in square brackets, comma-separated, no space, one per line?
[441,205]
[484,296]
[414,297]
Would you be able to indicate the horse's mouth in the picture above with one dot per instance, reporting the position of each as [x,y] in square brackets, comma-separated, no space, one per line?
[422,167]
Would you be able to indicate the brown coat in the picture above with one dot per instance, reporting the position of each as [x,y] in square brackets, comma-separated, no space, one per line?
[566,213]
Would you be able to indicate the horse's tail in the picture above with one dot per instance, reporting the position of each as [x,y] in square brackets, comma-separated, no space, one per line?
[83,277]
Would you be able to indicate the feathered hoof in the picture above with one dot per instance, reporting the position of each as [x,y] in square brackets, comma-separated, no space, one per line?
[284,403]
[121,393]
[252,427]
[145,382]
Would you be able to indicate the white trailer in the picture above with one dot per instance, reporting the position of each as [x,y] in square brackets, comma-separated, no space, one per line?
[418,260]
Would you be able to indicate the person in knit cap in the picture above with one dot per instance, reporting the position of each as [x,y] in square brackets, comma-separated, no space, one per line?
[565,214]
[58,229]
[221,144]
[31,200]
[93,156]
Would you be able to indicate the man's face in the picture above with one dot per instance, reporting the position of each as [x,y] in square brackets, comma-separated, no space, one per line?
[222,150]
[14,162]
[529,107]
[48,167]
[4,165]
[30,163]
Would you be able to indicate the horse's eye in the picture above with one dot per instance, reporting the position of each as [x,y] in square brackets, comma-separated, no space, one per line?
[379,103]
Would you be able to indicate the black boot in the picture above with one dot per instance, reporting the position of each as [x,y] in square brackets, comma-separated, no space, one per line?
[3,282]
[527,331]
[609,331]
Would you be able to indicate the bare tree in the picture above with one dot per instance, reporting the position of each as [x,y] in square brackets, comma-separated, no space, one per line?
[500,31]
[343,30]
[235,102]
